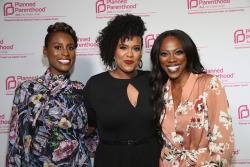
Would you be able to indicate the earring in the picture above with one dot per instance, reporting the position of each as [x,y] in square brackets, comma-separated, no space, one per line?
[140,64]
[114,64]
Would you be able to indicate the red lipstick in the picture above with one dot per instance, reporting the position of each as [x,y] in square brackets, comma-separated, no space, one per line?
[128,61]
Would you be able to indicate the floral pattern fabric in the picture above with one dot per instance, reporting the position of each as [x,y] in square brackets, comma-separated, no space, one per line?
[48,124]
[199,132]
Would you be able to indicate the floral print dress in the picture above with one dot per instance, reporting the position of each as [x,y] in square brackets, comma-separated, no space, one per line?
[48,124]
[199,132]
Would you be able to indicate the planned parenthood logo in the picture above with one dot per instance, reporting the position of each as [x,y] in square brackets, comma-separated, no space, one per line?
[192,4]
[242,38]
[26,11]
[12,82]
[8,9]
[243,115]
[86,47]
[149,41]
[110,8]
[7,50]
[212,6]
[4,124]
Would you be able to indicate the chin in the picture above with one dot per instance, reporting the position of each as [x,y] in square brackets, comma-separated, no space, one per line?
[173,77]
[129,70]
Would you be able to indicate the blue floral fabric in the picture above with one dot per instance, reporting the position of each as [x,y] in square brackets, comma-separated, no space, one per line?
[49,123]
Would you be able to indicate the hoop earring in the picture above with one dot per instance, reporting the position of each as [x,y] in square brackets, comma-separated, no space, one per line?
[140,64]
[114,64]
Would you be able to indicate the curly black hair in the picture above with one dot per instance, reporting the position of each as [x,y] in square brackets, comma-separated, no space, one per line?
[60,27]
[158,77]
[122,27]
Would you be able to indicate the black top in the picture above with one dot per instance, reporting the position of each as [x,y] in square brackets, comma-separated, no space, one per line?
[116,119]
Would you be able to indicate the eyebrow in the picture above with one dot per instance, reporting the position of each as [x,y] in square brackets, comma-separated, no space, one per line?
[121,44]
[174,49]
[62,43]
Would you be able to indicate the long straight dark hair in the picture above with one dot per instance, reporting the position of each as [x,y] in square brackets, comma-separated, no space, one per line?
[159,77]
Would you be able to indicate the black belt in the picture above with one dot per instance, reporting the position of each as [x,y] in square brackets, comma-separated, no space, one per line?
[128,142]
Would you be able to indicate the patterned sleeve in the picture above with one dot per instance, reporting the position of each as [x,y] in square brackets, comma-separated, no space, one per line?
[221,138]
[19,138]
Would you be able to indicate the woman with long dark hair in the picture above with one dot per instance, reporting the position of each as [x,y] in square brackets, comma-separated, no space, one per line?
[191,107]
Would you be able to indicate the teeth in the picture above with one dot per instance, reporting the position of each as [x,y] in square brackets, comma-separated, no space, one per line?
[64,61]
[173,68]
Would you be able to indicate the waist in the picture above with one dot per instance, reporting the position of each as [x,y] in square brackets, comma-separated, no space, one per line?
[131,142]
[190,156]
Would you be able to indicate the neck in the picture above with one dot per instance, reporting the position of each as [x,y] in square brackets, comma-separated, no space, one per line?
[123,75]
[180,82]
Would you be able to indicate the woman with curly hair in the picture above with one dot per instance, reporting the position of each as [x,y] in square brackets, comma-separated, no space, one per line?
[118,101]
[49,121]
[191,107]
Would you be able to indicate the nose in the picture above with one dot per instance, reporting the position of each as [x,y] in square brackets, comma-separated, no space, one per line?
[172,58]
[65,52]
[130,53]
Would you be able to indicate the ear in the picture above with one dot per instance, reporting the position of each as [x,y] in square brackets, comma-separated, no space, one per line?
[45,51]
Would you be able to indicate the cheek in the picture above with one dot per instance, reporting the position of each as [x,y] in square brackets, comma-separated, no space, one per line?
[162,60]
[184,59]
[138,57]
[118,54]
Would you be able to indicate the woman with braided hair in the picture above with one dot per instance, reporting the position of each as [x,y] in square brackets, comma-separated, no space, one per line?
[118,101]
[49,121]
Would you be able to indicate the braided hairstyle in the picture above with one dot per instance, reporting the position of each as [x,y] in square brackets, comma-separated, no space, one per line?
[60,27]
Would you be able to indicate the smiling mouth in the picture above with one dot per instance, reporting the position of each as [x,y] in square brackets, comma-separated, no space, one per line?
[64,61]
[173,68]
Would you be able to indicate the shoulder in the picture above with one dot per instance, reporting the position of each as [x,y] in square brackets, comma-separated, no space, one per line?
[144,74]
[204,78]
[98,77]
[211,80]
[26,84]
[77,84]
[23,91]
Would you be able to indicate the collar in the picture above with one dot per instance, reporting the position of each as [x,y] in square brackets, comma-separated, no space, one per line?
[188,87]
[55,83]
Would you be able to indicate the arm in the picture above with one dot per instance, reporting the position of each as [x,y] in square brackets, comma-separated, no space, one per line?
[88,106]
[92,137]
[90,131]
[19,139]
[221,139]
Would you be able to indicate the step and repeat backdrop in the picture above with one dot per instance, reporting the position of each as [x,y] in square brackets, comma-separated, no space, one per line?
[220,29]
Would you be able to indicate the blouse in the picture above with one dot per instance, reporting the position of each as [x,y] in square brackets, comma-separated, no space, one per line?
[199,132]
[48,123]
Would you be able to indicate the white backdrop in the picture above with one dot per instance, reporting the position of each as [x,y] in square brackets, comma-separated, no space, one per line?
[220,29]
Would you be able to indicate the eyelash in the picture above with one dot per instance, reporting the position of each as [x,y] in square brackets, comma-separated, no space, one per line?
[136,48]
[164,54]
[179,52]
[57,47]
[69,48]
[123,47]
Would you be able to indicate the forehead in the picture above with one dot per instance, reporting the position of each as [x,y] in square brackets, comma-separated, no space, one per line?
[171,41]
[135,40]
[61,37]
